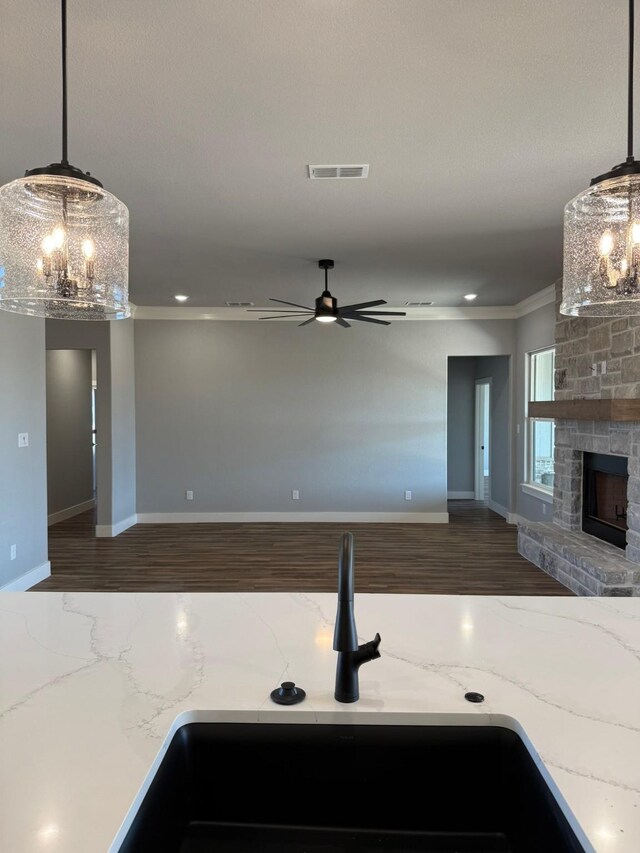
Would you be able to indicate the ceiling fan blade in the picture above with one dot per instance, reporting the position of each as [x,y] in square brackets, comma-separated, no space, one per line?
[370,320]
[283,317]
[306,322]
[270,310]
[378,313]
[358,305]
[342,322]
[295,304]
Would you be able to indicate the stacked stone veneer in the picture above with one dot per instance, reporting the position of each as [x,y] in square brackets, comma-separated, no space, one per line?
[580,561]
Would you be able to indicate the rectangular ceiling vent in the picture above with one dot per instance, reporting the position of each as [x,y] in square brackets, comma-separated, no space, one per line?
[319,172]
[418,304]
[239,304]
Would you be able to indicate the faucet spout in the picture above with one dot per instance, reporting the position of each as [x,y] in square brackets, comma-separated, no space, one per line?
[351,656]
[345,636]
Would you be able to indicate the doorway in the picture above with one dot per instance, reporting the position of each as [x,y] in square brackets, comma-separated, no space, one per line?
[71,438]
[482,455]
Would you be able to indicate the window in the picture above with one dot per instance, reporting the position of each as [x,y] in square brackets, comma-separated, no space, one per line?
[540,431]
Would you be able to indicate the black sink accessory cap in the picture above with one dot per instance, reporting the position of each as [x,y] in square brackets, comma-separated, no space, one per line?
[474,697]
[288,694]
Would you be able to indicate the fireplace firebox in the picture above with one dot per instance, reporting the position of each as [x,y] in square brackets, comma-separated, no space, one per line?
[604,498]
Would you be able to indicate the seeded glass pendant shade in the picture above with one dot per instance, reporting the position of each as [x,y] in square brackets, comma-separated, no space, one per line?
[64,240]
[601,276]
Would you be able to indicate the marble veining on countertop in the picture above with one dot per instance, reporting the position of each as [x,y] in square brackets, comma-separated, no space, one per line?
[90,686]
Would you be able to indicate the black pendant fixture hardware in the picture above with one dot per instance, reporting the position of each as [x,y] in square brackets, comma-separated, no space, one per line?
[327,309]
[64,169]
[631,166]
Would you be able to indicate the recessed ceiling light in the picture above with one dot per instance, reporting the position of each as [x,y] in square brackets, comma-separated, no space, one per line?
[470,296]
[180,298]
[417,304]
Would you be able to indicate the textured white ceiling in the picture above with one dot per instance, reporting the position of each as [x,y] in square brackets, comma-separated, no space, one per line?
[480,119]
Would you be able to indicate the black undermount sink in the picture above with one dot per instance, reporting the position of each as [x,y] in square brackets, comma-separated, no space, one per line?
[289,788]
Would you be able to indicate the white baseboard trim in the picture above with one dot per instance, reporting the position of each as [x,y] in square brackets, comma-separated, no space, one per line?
[288,517]
[461,496]
[28,579]
[501,510]
[108,531]
[70,511]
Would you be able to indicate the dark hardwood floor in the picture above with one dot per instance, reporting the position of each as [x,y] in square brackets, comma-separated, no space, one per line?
[474,554]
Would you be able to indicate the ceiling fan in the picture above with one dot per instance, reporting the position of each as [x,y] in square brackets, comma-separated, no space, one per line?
[327,310]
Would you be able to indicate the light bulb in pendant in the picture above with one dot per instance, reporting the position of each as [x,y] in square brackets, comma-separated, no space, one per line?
[48,244]
[40,265]
[606,244]
[58,236]
[88,249]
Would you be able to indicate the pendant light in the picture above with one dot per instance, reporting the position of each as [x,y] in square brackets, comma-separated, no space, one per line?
[64,239]
[601,275]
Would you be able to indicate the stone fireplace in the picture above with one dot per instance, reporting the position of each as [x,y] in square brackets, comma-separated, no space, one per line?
[597,418]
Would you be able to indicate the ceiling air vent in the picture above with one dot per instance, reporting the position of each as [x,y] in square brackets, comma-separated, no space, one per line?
[418,304]
[239,304]
[319,172]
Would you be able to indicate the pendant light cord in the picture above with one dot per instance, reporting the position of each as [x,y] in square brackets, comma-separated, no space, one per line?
[64,82]
[630,158]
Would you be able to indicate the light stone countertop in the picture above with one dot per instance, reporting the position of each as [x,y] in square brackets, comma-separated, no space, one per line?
[91,684]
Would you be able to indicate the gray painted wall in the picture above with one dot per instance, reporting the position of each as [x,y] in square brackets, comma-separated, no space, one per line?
[69,445]
[23,484]
[242,413]
[497,368]
[461,406]
[534,331]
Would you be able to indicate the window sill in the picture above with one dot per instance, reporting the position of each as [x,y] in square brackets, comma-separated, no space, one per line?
[537,492]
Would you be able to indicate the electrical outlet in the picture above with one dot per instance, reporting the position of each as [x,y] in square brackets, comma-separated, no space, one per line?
[603,367]
[407,495]
[189,495]
[295,495]
[13,552]
[23,439]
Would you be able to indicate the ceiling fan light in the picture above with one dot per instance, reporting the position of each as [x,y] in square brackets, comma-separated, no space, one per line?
[326,318]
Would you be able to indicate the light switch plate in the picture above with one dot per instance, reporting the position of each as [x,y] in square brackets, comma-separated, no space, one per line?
[408,495]
[295,495]
[23,439]
[189,495]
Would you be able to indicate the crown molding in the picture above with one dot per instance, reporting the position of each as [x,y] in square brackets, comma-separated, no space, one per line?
[535,301]
[481,312]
